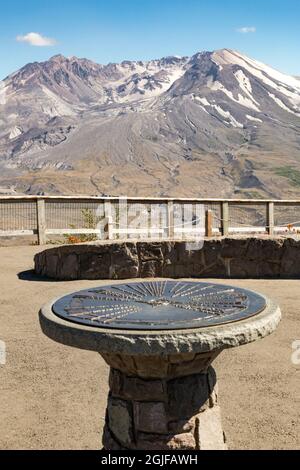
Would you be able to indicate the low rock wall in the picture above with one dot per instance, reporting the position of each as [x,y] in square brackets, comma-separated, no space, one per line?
[218,258]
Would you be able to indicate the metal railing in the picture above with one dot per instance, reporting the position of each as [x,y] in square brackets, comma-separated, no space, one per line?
[46,216]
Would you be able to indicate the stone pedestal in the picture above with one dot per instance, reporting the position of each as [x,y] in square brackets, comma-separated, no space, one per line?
[163,393]
[171,408]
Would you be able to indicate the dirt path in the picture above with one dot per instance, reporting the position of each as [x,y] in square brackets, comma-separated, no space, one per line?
[54,397]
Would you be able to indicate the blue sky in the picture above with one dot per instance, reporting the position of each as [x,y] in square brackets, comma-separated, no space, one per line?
[115,30]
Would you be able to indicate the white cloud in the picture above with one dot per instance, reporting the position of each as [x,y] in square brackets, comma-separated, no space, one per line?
[36,39]
[246,29]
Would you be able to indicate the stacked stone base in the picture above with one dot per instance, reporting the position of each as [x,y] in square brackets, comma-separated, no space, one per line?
[180,413]
[220,258]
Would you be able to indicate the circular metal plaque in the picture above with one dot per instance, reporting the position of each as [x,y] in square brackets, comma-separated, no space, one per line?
[161,305]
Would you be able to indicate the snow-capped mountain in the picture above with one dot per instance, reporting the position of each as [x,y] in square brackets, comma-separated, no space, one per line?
[211,124]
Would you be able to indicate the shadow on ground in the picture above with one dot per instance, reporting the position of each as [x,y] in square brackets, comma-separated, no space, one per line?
[30,275]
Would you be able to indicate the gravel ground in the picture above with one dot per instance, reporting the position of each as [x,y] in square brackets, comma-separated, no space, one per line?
[54,397]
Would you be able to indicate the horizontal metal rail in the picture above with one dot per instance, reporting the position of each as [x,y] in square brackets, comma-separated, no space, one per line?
[142,199]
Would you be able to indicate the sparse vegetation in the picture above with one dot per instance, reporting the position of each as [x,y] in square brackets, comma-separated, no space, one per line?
[254,195]
[90,221]
[290,173]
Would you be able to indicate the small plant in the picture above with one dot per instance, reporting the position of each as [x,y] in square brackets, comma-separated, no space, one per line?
[73,239]
[90,221]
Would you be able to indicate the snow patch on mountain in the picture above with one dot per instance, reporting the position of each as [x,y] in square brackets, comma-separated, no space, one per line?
[282,83]
[2,93]
[278,76]
[242,100]
[252,118]
[282,105]
[203,100]
[229,57]
[56,106]
[245,85]
[227,115]
[15,132]
[145,84]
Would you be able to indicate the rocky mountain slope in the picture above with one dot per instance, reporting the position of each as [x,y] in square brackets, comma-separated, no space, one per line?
[216,124]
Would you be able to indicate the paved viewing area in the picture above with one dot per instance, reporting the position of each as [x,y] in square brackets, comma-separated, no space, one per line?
[54,396]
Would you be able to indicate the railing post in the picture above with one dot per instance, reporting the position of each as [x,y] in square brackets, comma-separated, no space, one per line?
[270,218]
[41,221]
[170,220]
[110,225]
[208,224]
[108,215]
[225,218]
